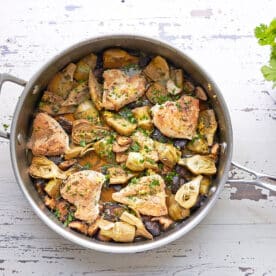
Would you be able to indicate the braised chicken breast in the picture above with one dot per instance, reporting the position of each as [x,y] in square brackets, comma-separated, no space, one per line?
[83,189]
[48,137]
[146,195]
[177,119]
[120,89]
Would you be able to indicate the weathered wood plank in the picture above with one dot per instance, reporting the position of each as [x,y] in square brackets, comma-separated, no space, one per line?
[238,237]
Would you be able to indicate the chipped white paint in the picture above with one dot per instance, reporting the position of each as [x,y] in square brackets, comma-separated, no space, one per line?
[239,236]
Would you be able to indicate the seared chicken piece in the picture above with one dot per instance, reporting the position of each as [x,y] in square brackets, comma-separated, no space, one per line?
[146,195]
[120,89]
[83,189]
[48,137]
[62,82]
[177,119]
[116,58]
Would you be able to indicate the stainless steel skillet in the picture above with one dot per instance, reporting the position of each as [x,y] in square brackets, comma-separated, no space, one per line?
[32,93]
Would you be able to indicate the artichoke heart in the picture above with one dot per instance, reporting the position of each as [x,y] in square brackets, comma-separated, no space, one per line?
[42,167]
[187,194]
[199,164]
[118,231]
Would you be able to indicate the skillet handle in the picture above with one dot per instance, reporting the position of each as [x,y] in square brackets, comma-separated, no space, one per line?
[262,180]
[3,78]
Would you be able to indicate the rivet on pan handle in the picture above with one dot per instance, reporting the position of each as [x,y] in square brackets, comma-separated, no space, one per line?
[259,179]
[6,77]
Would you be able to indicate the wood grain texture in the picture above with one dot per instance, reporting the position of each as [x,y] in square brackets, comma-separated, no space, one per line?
[239,235]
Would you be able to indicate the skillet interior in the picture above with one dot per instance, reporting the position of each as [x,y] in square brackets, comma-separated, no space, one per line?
[32,93]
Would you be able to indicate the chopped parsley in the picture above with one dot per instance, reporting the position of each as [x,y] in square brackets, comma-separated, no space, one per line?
[70,218]
[128,115]
[87,166]
[5,126]
[82,143]
[154,183]
[169,177]
[57,213]
[135,147]
[133,181]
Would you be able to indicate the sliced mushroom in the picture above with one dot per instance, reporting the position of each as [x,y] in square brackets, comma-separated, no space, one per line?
[199,164]
[65,124]
[140,228]
[62,207]
[84,66]
[84,132]
[42,167]
[188,86]
[123,140]
[215,151]
[50,202]
[172,88]
[157,69]
[207,125]
[79,226]
[117,58]
[165,221]
[187,195]
[117,148]
[95,90]
[62,82]
[65,165]
[121,157]
[177,77]
[200,93]
[93,228]
[112,211]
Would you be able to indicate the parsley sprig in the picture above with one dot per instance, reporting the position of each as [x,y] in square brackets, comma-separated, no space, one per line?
[266,35]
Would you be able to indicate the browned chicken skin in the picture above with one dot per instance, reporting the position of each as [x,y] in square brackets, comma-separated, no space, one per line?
[177,119]
[120,89]
[146,195]
[83,189]
[48,137]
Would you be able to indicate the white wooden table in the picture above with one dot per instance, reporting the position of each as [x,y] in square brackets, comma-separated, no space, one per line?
[239,235]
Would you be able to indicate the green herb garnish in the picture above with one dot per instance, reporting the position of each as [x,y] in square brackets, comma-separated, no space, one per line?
[135,147]
[266,35]
[57,213]
[70,218]
[5,126]
[82,143]
[87,166]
